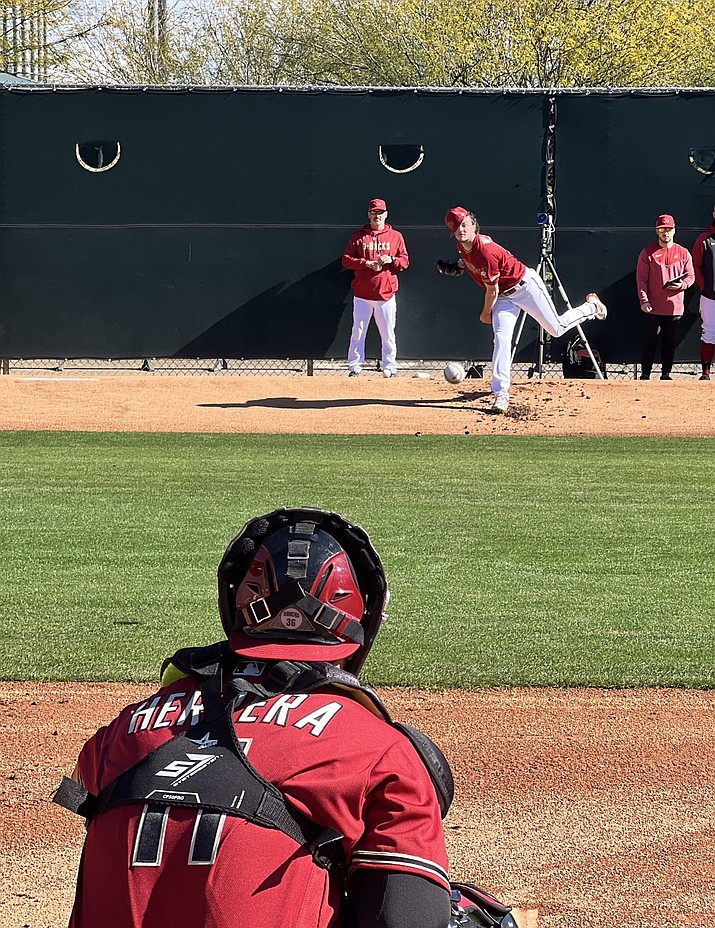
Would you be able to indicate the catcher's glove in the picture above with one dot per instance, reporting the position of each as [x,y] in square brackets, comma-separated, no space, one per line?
[450,268]
[472,906]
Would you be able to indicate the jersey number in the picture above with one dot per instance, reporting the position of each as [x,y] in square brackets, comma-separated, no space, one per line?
[149,842]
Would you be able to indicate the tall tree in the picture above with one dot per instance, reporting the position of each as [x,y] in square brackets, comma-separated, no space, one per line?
[37,37]
[138,43]
[466,43]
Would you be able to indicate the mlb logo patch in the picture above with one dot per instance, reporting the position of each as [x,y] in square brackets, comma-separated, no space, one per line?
[249,669]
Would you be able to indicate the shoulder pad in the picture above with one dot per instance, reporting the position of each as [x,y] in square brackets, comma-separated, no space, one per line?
[305,676]
[73,796]
[196,662]
[435,762]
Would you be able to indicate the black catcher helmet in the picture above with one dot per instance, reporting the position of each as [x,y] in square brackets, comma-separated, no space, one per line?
[302,584]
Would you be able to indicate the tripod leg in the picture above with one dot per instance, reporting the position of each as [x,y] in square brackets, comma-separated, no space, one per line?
[559,285]
[541,271]
[564,297]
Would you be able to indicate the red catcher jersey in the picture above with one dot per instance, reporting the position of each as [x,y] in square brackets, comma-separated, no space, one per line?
[488,263]
[337,762]
[367,245]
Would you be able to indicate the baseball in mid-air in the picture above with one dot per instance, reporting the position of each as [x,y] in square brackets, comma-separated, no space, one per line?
[454,372]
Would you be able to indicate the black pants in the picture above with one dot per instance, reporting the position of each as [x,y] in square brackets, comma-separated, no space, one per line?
[652,325]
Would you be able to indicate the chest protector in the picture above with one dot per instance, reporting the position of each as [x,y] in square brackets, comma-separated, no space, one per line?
[205,766]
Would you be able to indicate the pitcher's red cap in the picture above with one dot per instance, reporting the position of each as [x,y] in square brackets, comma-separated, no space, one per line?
[664,221]
[455,217]
[377,204]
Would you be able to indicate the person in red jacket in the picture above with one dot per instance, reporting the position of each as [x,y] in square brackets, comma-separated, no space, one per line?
[375,253]
[704,267]
[664,273]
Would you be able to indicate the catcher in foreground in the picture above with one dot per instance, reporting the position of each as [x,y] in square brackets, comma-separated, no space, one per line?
[264,785]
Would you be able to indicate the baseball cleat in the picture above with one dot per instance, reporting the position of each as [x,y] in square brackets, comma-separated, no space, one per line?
[388,373]
[705,375]
[601,311]
[354,374]
[500,404]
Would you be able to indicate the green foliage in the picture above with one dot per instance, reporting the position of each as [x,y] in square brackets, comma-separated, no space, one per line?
[422,43]
[493,43]
[511,561]
[138,43]
[37,35]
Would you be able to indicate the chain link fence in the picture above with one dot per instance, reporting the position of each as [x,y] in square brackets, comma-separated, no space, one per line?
[232,367]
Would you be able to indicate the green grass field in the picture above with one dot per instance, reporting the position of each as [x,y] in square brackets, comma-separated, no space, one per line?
[547,561]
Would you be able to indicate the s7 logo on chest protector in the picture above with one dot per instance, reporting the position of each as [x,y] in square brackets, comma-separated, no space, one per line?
[183,769]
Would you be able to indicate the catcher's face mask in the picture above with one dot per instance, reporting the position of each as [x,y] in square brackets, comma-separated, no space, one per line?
[302,584]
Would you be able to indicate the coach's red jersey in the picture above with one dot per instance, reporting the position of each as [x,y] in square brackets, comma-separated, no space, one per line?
[656,266]
[488,264]
[333,759]
[367,245]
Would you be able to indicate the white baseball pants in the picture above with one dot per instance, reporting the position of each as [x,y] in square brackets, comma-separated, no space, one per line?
[707,316]
[385,312]
[534,299]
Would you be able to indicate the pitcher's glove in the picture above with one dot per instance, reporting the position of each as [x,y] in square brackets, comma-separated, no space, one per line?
[472,906]
[450,268]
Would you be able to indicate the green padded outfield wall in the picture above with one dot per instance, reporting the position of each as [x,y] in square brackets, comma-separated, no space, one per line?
[218,232]
[621,160]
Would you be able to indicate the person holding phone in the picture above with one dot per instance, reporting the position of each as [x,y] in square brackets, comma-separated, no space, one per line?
[663,274]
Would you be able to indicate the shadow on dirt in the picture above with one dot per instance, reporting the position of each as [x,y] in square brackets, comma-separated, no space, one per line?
[293,402]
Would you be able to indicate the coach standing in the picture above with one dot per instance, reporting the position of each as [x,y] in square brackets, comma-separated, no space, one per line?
[664,273]
[704,267]
[375,253]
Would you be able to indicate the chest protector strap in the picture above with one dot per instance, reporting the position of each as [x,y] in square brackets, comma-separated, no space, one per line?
[206,768]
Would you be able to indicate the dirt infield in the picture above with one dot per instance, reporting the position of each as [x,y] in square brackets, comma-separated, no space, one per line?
[590,807]
[365,405]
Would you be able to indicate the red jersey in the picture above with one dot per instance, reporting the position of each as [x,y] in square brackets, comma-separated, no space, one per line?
[704,262]
[656,266]
[335,760]
[366,245]
[488,264]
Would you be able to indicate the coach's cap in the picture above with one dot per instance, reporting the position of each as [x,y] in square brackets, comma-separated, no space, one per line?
[377,204]
[455,217]
[664,221]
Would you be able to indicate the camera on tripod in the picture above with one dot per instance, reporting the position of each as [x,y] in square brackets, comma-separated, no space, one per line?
[546,270]
[546,223]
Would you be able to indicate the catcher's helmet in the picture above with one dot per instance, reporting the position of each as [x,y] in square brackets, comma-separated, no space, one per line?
[303,584]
